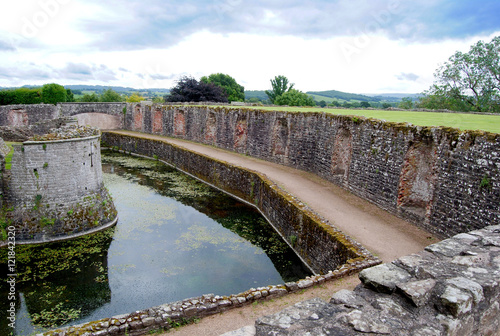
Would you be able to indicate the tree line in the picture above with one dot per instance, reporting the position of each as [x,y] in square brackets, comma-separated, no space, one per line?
[55,93]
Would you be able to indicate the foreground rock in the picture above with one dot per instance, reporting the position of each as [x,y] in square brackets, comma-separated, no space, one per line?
[451,288]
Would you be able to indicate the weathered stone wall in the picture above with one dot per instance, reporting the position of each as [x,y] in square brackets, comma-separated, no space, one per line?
[451,288]
[442,180]
[24,115]
[55,189]
[319,244]
[102,115]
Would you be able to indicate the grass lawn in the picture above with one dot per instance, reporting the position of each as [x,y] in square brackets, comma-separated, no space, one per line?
[463,121]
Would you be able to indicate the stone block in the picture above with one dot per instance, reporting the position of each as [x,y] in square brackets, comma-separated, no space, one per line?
[455,301]
[418,292]
[384,278]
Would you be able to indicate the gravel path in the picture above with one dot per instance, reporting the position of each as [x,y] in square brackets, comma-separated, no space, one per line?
[383,234]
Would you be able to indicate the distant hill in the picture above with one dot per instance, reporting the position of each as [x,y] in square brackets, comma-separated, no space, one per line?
[259,94]
[344,96]
[119,89]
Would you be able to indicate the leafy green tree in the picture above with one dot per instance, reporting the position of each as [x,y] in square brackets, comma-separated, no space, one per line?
[322,103]
[53,94]
[335,103]
[406,103]
[468,81]
[279,86]
[347,104]
[234,91]
[364,104]
[90,98]
[70,97]
[109,96]
[294,97]
[386,105]
[134,98]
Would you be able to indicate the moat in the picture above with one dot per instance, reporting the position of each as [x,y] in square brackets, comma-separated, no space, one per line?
[176,238]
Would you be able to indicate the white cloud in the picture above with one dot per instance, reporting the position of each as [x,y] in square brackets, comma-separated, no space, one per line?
[369,46]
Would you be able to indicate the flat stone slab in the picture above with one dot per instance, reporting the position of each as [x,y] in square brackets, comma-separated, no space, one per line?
[384,278]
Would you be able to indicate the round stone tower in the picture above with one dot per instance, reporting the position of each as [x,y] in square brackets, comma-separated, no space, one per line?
[54,188]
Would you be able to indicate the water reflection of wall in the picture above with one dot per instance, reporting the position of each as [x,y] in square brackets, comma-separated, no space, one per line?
[60,282]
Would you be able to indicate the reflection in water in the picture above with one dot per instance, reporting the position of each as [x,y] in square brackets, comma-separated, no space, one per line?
[176,238]
[58,282]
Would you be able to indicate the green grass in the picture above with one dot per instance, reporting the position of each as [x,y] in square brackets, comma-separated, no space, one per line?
[8,158]
[463,121]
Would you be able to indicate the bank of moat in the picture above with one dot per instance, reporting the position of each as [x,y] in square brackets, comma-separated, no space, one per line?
[52,188]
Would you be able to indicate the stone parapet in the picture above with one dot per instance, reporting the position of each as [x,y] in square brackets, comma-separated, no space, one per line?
[450,288]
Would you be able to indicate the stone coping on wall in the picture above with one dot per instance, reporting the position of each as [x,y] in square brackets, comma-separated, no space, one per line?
[451,288]
[40,142]
[171,315]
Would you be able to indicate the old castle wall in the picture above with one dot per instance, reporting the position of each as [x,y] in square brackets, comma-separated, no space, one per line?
[320,245]
[441,179]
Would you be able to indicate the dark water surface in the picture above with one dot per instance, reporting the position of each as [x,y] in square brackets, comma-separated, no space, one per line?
[176,238]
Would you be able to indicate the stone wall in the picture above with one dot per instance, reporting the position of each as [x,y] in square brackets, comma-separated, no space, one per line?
[451,288]
[440,179]
[102,115]
[55,189]
[24,115]
[318,243]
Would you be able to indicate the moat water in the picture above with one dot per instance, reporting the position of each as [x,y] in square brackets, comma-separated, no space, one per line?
[176,238]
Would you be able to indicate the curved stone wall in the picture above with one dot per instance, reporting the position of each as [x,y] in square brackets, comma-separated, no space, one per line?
[443,180]
[54,189]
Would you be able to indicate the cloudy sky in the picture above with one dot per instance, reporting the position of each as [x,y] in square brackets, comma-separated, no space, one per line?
[360,46]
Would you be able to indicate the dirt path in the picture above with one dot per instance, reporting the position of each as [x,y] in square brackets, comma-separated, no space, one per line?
[383,234]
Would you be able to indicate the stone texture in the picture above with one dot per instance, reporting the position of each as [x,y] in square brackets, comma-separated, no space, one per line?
[419,292]
[429,176]
[444,305]
[59,182]
[383,278]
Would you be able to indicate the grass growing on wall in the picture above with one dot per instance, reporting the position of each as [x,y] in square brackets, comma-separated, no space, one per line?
[8,158]
[463,121]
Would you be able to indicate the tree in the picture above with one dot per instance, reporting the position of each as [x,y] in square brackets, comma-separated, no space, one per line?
[109,96]
[189,89]
[406,103]
[90,98]
[70,97]
[134,98]
[364,104]
[234,91]
[468,81]
[279,86]
[53,94]
[294,97]
[322,103]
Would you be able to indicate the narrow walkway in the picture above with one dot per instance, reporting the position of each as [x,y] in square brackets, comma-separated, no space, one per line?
[382,233]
